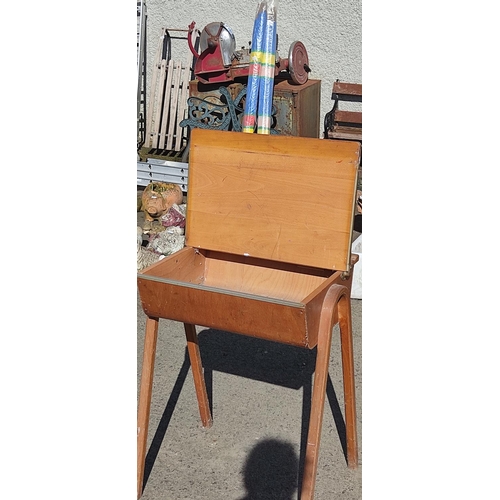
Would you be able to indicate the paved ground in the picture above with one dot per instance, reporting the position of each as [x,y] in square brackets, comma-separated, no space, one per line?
[260,395]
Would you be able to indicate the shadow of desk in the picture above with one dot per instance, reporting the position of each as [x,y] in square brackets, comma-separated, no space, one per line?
[258,360]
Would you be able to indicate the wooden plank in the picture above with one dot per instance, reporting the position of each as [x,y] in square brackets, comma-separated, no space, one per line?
[347,88]
[166,105]
[158,104]
[347,116]
[182,110]
[152,96]
[348,135]
[247,188]
[173,104]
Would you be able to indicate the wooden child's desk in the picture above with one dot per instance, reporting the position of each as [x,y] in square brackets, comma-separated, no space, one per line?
[268,238]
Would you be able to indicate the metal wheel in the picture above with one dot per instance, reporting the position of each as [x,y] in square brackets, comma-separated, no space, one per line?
[298,63]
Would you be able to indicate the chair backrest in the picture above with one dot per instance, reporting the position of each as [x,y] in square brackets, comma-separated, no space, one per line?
[280,198]
[341,124]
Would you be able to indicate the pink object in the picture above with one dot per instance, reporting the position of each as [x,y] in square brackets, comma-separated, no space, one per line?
[173,217]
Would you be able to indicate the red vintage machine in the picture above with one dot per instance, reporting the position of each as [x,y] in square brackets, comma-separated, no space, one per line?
[219,61]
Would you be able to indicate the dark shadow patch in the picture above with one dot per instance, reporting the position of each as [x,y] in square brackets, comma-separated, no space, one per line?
[270,471]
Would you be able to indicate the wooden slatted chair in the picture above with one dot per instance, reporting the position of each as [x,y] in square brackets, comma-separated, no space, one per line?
[268,235]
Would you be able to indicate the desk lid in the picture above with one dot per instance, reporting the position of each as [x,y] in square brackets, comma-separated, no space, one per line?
[282,198]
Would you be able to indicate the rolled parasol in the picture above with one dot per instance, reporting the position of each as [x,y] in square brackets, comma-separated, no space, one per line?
[267,68]
[250,113]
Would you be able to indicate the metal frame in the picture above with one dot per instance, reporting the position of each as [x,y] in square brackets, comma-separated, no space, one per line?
[153,170]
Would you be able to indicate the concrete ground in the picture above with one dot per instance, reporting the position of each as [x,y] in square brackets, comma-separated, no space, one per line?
[260,396]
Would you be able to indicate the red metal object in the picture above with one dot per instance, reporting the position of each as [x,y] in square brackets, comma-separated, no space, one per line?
[220,64]
[209,66]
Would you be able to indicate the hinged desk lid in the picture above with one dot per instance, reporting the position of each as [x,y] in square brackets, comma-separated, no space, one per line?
[287,199]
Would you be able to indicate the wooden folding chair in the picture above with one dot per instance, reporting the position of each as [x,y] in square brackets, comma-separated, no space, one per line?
[268,235]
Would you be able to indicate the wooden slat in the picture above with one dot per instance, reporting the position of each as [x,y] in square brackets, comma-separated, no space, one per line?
[158,103]
[182,109]
[166,105]
[246,187]
[347,133]
[152,96]
[173,104]
[347,116]
[347,88]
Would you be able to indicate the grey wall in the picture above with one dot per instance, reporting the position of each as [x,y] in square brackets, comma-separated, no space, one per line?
[329,29]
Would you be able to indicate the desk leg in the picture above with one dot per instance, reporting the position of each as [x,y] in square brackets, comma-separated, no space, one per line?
[326,323]
[199,380]
[345,324]
[148,362]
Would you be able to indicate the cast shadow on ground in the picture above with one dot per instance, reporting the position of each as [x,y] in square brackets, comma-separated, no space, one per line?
[270,471]
[265,361]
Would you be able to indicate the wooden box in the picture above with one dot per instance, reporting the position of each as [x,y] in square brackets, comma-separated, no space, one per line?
[269,227]
[257,297]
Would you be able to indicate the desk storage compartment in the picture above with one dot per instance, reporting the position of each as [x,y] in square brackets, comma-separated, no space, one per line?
[273,300]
